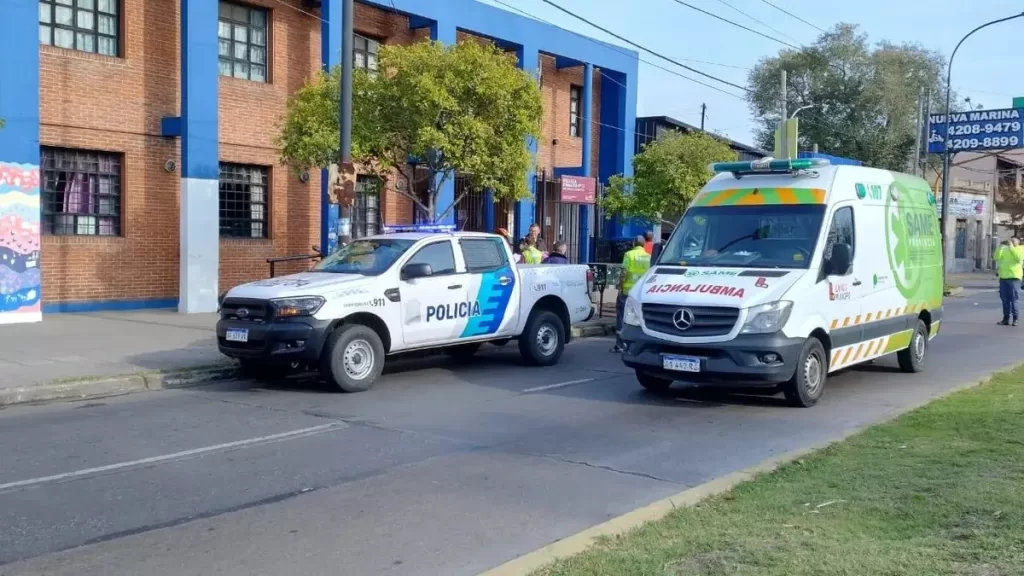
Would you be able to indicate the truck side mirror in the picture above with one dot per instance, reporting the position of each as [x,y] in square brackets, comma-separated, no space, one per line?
[841,260]
[416,270]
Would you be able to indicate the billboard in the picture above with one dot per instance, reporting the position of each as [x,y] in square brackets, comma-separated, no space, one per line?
[976,130]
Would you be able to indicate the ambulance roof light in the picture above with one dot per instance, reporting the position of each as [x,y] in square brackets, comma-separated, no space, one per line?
[769,165]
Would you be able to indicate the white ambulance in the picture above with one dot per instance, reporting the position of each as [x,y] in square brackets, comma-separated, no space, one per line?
[783,271]
[402,292]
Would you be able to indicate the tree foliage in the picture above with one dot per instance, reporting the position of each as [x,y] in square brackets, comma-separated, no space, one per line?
[864,97]
[465,109]
[667,174]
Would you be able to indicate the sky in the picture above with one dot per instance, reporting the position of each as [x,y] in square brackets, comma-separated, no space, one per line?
[984,70]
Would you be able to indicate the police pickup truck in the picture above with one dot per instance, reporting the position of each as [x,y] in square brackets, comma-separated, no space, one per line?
[402,292]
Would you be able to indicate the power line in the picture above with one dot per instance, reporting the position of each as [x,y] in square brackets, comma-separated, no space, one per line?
[626,52]
[790,14]
[644,48]
[777,31]
[736,24]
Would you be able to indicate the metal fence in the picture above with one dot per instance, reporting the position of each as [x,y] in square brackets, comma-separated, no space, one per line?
[561,222]
[470,211]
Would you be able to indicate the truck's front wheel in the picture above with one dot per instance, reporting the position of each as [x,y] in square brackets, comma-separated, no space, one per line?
[353,358]
[543,340]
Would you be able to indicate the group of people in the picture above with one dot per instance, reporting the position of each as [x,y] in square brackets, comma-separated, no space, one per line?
[1009,261]
[531,249]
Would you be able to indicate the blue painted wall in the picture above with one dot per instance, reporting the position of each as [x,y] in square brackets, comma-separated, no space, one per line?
[330,56]
[19,82]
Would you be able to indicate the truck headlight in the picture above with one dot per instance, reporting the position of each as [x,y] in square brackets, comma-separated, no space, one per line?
[767,318]
[294,307]
[631,312]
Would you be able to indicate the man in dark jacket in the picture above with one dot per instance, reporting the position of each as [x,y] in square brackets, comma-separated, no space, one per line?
[557,256]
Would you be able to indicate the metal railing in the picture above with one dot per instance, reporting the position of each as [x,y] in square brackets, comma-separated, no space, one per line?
[605,275]
[308,257]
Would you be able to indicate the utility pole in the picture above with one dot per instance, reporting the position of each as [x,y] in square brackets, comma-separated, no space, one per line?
[923,166]
[920,128]
[345,152]
[703,113]
[783,118]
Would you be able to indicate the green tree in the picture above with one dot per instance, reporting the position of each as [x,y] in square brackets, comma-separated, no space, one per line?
[864,97]
[667,174]
[465,109]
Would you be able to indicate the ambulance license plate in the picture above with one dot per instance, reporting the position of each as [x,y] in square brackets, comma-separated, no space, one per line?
[237,335]
[680,363]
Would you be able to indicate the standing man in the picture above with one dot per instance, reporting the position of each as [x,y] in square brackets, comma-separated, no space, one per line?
[534,233]
[1008,259]
[557,255]
[649,242]
[635,263]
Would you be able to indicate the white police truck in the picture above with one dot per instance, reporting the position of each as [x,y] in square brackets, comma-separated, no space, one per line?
[399,292]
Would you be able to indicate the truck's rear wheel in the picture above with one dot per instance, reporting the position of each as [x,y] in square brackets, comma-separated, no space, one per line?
[653,383]
[911,359]
[353,358]
[543,340]
[807,385]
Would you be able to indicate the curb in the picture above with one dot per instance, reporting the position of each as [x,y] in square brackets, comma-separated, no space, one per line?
[116,385]
[74,390]
[621,525]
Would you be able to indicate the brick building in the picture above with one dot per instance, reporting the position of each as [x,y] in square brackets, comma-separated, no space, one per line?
[138,138]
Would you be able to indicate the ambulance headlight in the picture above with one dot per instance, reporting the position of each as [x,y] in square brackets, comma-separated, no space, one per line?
[631,312]
[767,318]
[294,307]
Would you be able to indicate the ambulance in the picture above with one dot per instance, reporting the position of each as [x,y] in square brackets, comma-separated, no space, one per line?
[782,272]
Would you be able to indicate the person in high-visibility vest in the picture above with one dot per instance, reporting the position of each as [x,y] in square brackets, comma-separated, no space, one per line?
[1009,259]
[531,255]
[635,262]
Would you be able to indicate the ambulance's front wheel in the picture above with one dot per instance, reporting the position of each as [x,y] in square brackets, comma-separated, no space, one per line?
[807,385]
[353,358]
[911,359]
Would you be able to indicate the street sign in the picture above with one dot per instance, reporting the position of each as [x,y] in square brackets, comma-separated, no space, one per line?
[977,130]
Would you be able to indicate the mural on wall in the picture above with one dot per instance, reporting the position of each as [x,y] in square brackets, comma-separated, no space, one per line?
[20,278]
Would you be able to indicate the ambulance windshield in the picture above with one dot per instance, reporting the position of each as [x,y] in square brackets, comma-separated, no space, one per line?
[367,257]
[746,236]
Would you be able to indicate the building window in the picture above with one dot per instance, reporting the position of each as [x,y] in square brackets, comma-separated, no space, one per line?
[86,25]
[574,111]
[364,53]
[243,200]
[366,213]
[81,192]
[242,42]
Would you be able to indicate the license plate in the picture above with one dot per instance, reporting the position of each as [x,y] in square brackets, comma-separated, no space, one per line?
[681,363]
[237,335]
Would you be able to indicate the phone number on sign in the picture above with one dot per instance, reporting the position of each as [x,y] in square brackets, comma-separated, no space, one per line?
[975,129]
[994,142]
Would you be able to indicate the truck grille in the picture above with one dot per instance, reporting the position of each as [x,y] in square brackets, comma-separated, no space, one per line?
[246,310]
[707,320]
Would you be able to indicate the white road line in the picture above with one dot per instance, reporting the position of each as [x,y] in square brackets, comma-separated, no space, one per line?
[166,457]
[553,386]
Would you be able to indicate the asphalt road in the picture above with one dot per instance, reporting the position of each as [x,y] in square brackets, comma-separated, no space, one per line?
[438,470]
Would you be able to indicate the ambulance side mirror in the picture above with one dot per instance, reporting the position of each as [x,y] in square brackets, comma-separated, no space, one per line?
[418,270]
[841,260]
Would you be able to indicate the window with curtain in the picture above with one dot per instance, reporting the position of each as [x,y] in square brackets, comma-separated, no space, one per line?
[81,192]
[85,25]
[243,200]
[242,41]
[574,111]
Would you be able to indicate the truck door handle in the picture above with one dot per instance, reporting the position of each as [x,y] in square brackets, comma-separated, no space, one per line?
[455,286]
[504,280]
[856,282]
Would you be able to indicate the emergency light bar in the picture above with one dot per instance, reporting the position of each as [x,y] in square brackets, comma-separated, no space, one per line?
[769,166]
[423,228]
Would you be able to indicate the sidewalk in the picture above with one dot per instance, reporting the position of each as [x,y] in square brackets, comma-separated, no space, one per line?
[81,355]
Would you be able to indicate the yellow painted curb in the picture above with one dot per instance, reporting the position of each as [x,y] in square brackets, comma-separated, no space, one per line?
[581,541]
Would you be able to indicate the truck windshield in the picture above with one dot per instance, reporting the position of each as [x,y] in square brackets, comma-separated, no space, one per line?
[746,236]
[370,257]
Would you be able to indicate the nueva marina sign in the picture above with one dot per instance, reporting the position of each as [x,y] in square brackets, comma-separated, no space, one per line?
[976,130]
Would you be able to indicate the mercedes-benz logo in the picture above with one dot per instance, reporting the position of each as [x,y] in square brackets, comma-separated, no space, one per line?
[683,319]
[242,313]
